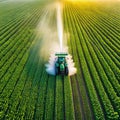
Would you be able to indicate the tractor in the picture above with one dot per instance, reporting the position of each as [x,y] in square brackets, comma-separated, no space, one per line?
[61,66]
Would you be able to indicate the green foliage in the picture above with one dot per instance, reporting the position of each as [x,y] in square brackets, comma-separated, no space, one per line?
[28,92]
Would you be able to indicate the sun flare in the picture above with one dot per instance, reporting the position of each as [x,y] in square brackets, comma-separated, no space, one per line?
[90,0]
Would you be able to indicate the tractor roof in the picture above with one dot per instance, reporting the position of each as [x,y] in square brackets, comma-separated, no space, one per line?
[61,54]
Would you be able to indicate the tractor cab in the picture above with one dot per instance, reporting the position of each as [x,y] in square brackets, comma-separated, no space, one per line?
[61,66]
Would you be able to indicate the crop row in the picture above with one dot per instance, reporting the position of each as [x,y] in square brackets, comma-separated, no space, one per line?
[80,97]
[116,100]
[81,103]
[102,29]
[12,65]
[108,59]
[24,83]
[14,30]
[106,31]
[116,71]
[102,75]
[17,43]
[91,90]
[90,64]
[9,93]
[8,88]
[113,40]
[72,79]
[30,67]
[24,15]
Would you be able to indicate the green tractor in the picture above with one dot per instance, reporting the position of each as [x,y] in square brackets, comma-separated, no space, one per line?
[61,66]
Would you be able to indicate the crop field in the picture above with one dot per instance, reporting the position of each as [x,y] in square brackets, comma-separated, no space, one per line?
[28,92]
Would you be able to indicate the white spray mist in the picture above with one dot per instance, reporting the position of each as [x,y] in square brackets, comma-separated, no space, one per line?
[60,25]
[71,65]
[50,36]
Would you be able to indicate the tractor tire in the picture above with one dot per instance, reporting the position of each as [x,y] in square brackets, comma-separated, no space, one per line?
[66,71]
[56,70]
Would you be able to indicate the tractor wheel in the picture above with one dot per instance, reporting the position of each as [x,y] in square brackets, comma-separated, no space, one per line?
[56,70]
[66,71]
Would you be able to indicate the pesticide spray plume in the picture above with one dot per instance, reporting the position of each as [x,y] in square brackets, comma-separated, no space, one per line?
[71,65]
[60,25]
[52,39]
